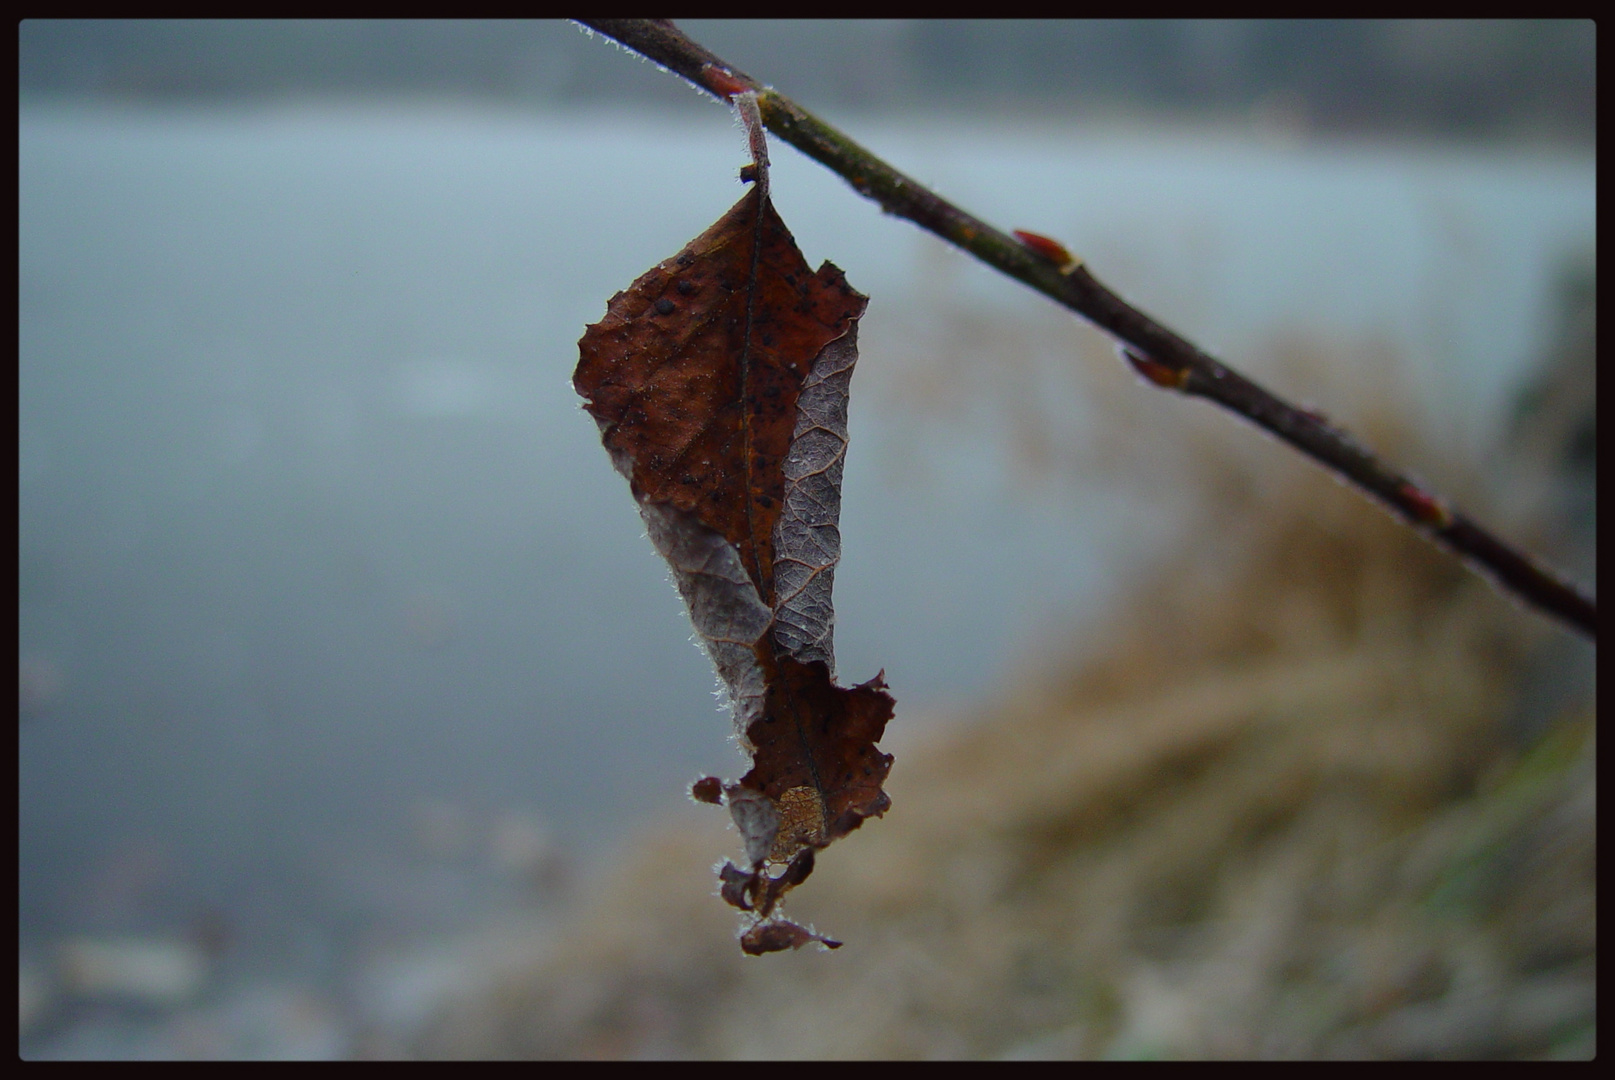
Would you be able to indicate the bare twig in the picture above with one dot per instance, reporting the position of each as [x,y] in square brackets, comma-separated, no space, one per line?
[1156,352]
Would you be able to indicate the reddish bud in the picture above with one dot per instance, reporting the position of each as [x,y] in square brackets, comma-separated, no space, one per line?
[1162,375]
[1426,507]
[1048,250]
[721,82]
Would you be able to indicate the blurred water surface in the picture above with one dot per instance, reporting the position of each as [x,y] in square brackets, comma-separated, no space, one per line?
[313,533]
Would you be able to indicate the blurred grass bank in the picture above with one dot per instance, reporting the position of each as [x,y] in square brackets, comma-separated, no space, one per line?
[1304,794]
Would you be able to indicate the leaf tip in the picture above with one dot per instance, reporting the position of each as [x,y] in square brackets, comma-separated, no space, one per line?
[876,683]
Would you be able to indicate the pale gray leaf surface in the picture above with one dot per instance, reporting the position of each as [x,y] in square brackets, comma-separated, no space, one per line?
[728,615]
[807,537]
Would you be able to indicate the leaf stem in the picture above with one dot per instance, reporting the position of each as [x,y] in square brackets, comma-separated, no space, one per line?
[1168,360]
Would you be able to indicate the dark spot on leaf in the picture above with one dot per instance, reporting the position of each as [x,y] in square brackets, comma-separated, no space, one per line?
[664,306]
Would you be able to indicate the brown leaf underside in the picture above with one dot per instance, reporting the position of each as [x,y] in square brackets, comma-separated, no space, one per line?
[695,377]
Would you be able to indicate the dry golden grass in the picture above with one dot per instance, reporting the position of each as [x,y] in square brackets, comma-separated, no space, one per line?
[1275,812]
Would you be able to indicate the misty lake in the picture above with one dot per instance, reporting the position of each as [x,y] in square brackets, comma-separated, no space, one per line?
[312,529]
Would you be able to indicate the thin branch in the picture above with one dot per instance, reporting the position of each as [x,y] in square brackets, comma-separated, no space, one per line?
[1156,352]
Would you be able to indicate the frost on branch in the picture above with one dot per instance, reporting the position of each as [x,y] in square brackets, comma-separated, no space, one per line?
[719,381]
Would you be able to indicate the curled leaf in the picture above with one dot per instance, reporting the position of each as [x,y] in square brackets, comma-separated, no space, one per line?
[720,381]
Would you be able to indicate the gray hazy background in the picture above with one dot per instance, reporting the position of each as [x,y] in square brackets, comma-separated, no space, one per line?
[1477,78]
[336,625]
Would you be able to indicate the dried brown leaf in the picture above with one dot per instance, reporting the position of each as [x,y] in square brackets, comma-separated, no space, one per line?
[779,935]
[720,382]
